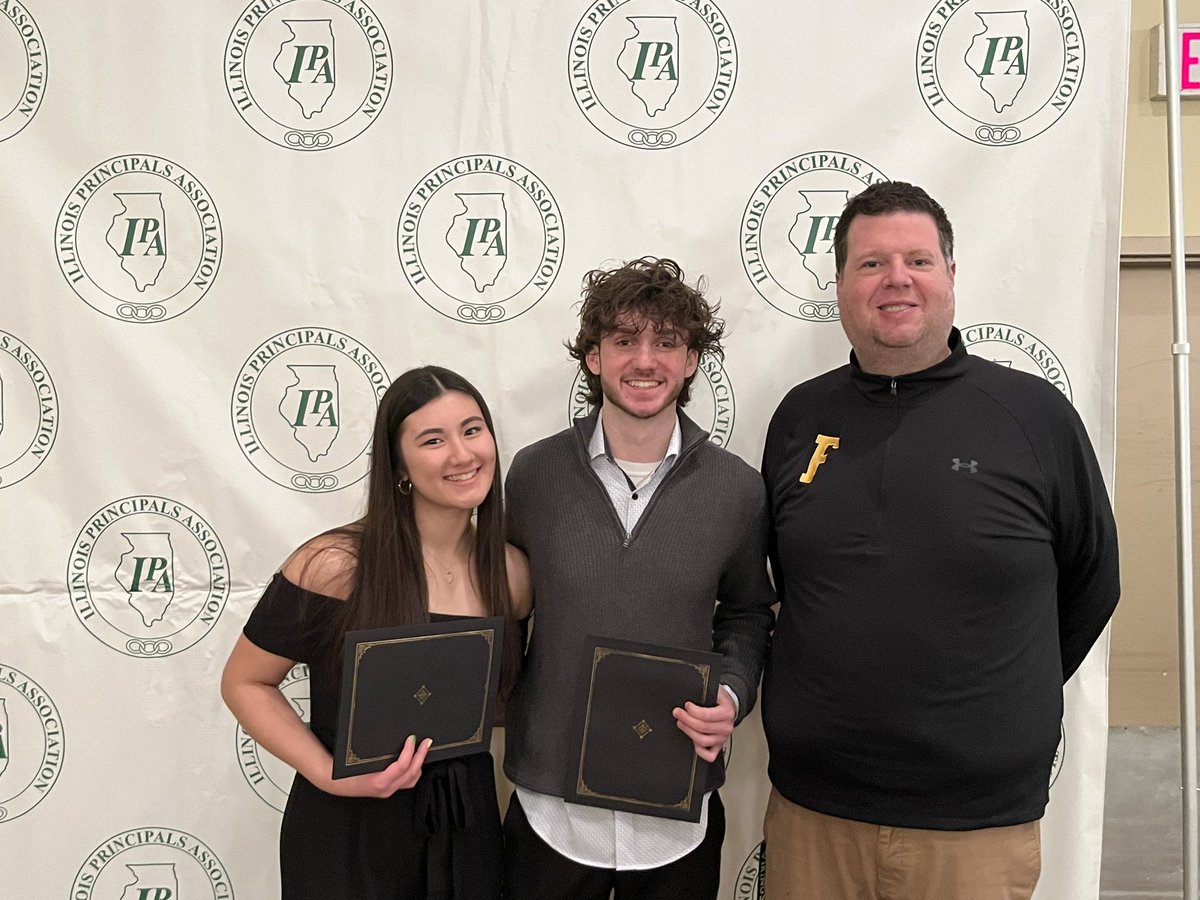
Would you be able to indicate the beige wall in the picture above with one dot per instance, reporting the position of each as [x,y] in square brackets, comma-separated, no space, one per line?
[1144,685]
[1145,199]
[1144,649]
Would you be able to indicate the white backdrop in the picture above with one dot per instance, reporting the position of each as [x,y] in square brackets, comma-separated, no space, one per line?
[226,228]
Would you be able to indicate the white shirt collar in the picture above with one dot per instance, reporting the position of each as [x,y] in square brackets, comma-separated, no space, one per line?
[598,445]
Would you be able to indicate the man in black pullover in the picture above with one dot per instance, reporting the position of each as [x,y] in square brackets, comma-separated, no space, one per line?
[945,556]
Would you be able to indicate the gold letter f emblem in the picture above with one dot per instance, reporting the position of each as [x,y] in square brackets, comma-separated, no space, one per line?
[825,443]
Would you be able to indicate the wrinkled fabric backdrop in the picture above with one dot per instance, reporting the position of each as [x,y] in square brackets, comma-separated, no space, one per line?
[226,228]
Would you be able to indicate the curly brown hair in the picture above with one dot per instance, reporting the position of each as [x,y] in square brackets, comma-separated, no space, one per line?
[653,289]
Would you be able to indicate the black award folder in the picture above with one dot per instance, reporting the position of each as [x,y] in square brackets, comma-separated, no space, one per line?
[628,752]
[435,680]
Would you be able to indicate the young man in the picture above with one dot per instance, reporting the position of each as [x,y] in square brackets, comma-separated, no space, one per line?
[635,526]
[945,556]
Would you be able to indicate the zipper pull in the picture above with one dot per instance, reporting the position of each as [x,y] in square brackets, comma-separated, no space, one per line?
[628,538]
[893,387]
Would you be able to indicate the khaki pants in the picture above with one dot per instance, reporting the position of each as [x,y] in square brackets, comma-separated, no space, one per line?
[811,856]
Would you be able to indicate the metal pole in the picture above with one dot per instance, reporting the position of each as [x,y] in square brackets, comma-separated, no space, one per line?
[1183,465]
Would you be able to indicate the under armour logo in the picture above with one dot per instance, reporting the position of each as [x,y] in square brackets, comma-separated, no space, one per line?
[972,467]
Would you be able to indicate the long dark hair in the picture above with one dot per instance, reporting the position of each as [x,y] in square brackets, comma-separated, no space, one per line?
[389,586]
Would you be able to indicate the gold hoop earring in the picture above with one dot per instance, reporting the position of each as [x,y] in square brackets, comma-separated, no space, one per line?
[404,486]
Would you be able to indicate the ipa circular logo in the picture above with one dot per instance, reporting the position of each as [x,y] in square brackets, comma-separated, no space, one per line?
[31,743]
[271,778]
[303,407]
[152,863]
[139,239]
[1016,348]
[308,74]
[148,576]
[752,879]
[711,405]
[787,230]
[480,239]
[22,69]
[652,74]
[28,411]
[999,72]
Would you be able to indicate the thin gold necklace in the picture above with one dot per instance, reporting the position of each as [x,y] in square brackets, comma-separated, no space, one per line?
[449,570]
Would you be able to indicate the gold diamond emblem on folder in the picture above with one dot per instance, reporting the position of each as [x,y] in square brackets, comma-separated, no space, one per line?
[642,728]
[422,695]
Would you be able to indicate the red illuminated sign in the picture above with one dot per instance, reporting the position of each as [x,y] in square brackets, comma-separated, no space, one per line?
[1189,63]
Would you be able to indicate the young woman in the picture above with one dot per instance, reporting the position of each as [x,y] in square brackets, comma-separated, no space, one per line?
[409,831]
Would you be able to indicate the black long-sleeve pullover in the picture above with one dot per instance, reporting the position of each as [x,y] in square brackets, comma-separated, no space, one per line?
[941,575]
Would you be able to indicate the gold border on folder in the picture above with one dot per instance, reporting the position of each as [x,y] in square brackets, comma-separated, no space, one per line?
[360,650]
[581,786]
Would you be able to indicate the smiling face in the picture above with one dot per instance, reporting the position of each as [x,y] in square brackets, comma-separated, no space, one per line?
[896,293]
[449,453]
[641,370]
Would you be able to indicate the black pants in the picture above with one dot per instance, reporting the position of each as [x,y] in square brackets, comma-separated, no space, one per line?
[535,871]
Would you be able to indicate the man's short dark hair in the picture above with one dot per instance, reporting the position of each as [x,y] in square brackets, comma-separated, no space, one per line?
[653,289]
[885,197]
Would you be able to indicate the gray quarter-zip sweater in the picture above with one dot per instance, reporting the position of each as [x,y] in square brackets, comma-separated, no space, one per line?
[692,574]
